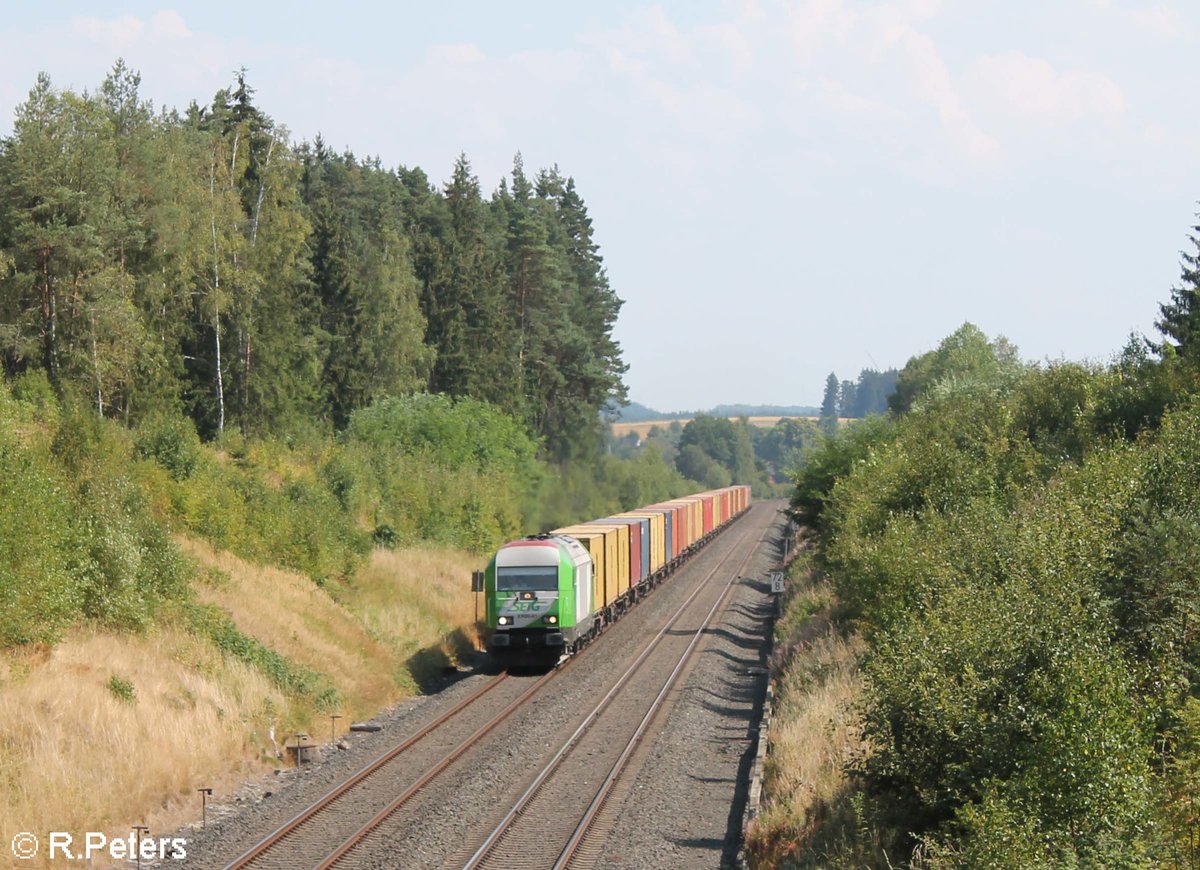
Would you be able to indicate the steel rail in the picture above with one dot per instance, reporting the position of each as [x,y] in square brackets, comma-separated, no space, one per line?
[407,795]
[350,843]
[618,767]
[482,852]
[338,791]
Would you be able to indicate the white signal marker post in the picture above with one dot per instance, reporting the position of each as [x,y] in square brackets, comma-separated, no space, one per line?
[777,588]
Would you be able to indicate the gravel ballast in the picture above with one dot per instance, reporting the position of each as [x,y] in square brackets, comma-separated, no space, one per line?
[685,806]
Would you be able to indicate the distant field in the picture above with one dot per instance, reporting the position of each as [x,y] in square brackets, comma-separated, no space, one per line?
[620,430]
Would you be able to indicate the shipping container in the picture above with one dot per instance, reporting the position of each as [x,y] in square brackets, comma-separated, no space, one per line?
[656,526]
[682,510]
[639,545]
[603,589]
[672,530]
[621,531]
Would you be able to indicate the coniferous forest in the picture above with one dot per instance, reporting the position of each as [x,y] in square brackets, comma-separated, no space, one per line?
[199,263]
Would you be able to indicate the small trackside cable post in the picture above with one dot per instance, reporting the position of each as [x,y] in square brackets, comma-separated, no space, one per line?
[140,829]
[205,794]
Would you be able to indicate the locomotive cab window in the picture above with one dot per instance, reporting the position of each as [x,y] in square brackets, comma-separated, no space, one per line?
[532,578]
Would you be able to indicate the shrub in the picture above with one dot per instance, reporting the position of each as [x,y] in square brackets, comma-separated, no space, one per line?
[33,388]
[37,595]
[171,442]
[122,689]
[456,433]
[833,459]
[1015,692]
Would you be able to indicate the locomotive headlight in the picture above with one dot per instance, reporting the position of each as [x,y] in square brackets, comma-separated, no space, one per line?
[552,619]
[503,620]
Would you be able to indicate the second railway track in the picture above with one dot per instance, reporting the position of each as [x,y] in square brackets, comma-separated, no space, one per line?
[378,817]
[551,822]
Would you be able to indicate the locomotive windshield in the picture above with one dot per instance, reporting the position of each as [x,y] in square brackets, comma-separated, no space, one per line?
[531,578]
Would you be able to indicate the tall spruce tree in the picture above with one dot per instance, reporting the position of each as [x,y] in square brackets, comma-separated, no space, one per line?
[829,402]
[477,342]
[1179,319]
[371,329]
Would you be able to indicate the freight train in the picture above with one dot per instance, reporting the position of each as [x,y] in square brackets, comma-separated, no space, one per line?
[550,594]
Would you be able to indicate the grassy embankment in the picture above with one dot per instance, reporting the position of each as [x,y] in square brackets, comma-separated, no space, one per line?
[814,734]
[140,658]
[1018,551]
[107,729]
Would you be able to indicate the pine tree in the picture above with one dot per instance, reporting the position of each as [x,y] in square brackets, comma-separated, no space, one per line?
[196,261]
[829,404]
[1180,318]
[68,304]
[371,328]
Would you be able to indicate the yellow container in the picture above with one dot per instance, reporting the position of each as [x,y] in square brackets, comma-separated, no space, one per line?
[690,535]
[604,539]
[621,532]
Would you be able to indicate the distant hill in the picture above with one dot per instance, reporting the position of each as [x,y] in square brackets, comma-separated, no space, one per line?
[635,412]
[764,411]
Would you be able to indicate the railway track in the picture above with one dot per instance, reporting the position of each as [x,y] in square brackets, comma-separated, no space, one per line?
[375,799]
[303,833]
[553,823]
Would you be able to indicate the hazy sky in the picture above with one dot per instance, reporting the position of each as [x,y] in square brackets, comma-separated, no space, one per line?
[779,189]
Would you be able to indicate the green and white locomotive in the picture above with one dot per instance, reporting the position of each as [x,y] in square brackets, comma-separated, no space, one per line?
[539,598]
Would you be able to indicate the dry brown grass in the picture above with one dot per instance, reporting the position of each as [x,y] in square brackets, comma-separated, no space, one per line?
[74,756]
[814,733]
[301,621]
[418,599]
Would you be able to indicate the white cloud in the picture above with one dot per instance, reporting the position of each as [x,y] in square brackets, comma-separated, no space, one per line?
[466,94]
[1160,20]
[121,33]
[813,25]
[935,86]
[169,25]
[836,95]
[456,54]
[1032,87]
[689,87]
[115,34]
[799,66]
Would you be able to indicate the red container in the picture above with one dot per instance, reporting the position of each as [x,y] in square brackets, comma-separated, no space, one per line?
[635,553]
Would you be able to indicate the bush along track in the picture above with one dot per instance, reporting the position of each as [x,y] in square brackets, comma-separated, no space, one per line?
[1001,616]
